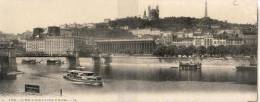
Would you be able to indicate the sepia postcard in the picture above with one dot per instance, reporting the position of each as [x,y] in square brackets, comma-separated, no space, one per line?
[128,50]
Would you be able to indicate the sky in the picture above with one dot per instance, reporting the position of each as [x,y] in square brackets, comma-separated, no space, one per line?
[17,16]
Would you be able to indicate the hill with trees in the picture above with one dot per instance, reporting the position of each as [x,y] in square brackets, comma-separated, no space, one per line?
[174,23]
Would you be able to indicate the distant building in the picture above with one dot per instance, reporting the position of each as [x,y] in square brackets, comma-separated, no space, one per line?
[188,39]
[219,41]
[166,38]
[25,35]
[235,41]
[152,13]
[142,32]
[183,42]
[199,40]
[126,46]
[5,43]
[250,39]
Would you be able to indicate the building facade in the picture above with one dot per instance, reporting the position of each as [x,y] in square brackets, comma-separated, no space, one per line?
[250,39]
[235,41]
[219,41]
[54,45]
[152,13]
[183,42]
[126,46]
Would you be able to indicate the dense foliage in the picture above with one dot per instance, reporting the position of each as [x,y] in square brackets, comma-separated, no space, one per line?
[104,31]
[218,51]
[172,23]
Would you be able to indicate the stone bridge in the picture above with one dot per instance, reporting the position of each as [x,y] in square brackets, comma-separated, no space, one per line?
[8,67]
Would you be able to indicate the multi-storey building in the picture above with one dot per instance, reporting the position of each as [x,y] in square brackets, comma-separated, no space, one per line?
[235,41]
[198,40]
[54,45]
[194,39]
[250,39]
[142,32]
[219,41]
[183,42]
[126,46]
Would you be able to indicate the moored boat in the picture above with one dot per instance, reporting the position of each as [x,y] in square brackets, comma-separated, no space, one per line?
[251,66]
[54,62]
[189,65]
[246,67]
[31,61]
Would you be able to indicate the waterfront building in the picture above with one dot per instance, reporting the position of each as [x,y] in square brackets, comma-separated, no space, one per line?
[198,40]
[142,32]
[166,38]
[126,46]
[219,41]
[250,39]
[54,45]
[234,41]
[188,39]
[183,42]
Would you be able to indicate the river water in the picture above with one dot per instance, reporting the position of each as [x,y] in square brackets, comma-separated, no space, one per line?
[131,79]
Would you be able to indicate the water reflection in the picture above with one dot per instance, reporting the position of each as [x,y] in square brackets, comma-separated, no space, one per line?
[174,74]
[127,74]
[246,76]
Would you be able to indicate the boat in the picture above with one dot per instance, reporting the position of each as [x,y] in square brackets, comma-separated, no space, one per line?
[244,67]
[251,66]
[189,65]
[31,61]
[54,62]
[80,67]
[194,64]
[83,77]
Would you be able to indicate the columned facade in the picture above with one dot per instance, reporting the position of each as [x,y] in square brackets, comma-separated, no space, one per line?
[134,46]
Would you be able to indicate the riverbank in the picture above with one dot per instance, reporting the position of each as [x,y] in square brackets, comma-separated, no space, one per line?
[167,62]
[182,91]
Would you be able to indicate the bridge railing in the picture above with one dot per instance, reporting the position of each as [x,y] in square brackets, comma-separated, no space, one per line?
[42,55]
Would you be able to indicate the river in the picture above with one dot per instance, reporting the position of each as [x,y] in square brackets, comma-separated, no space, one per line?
[131,79]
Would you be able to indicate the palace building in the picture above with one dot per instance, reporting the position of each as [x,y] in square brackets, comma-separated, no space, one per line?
[126,46]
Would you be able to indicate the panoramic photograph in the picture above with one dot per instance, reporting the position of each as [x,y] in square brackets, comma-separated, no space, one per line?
[128,50]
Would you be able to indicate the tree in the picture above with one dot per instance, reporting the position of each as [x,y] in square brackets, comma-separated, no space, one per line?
[171,50]
[211,50]
[201,50]
[160,50]
[244,50]
[190,50]
[181,50]
[221,50]
[233,50]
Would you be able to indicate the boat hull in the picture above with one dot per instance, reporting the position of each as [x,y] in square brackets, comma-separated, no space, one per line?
[246,67]
[86,82]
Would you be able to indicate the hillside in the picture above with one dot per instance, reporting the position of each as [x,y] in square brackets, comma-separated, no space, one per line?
[174,23]
[104,31]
